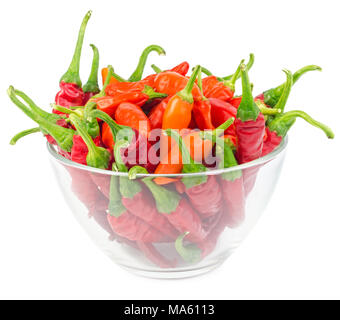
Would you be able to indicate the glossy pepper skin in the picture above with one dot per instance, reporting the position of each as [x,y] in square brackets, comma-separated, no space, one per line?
[221,111]
[71,92]
[177,114]
[250,124]
[109,104]
[181,69]
[202,110]
[170,83]
[131,115]
[204,192]
[156,114]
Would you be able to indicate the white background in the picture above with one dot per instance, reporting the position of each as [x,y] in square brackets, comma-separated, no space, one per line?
[294,250]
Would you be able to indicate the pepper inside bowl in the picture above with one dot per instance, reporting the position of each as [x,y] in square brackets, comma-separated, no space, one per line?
[169,231]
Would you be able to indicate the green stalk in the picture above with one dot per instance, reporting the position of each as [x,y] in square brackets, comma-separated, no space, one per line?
[186,93]
[231,83]
[138,73]
[116,207]
[286,91]
[190,253]
[22,134]
[272,96]
[249,66]
[152,94]
[63,136]
[72,74]
[283,123]
[166,200]
[189,165]
[248,110]
[156,69]
[97,157]
[92,83]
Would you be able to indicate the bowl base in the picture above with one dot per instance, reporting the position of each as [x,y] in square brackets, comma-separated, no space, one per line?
[170,274]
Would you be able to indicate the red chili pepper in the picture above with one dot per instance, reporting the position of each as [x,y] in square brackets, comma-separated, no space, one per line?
[236,101]
[204,191]
[107,136]
[221,111]
[181,69]
[170,83]
[71,92]
[250,124]
[131,115]
[80,151]
[135,199]
[177,210]
[109,104]
[156,114]
[202,110]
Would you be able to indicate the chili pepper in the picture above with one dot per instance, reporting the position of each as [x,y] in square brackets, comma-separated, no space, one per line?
[71,93]
[177,210]
[137,74]
[137,151]
[218,88]
[96,157]
[272,96]
[109,104]
[250,124]
[125,223]
[107,136]
[156,114]
[47,124]
[136,200]
[91,87]
[177,114]
[203,191]
[129,114]
[279,127]
[171,162]
[80,150]
[202,110]
[221,111]
[236,101]
[114,78]
[181,69]
[170,82]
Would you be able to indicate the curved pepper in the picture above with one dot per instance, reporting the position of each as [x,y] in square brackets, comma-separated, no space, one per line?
[181,69]
[271,97]
[250,124]
[138,73]
[71,93]
[177,210]
[156,114]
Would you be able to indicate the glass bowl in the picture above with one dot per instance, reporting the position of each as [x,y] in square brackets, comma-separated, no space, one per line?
[139,234]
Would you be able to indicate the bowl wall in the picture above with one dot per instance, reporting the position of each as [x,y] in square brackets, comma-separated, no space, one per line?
[139,236]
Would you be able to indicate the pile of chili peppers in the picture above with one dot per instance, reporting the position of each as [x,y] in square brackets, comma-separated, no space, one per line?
[165,123]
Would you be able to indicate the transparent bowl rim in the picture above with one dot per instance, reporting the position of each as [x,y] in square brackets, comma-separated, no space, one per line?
[54,154]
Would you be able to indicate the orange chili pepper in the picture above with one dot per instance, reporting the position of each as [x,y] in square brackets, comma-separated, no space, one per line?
[114,79]
[129,114]
[107,136]
[170,82]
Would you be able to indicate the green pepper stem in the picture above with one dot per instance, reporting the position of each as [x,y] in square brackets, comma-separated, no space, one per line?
[224,126]
[186,93]
[156,69]
[136,170]
[138,73]
[265,110]
[248,110]
[63,136]
[118,77]
[90,105]
[22,134]
[64,109]
[116,207]
[152,94]
[44,114]
[114,126]
[206,71]
[278,124]
[166,200]
[286,91]
[72,74]
[231,83]
[118,157]
[190,253]
[249,65]
[92,83]
[302,71]
[199,83]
